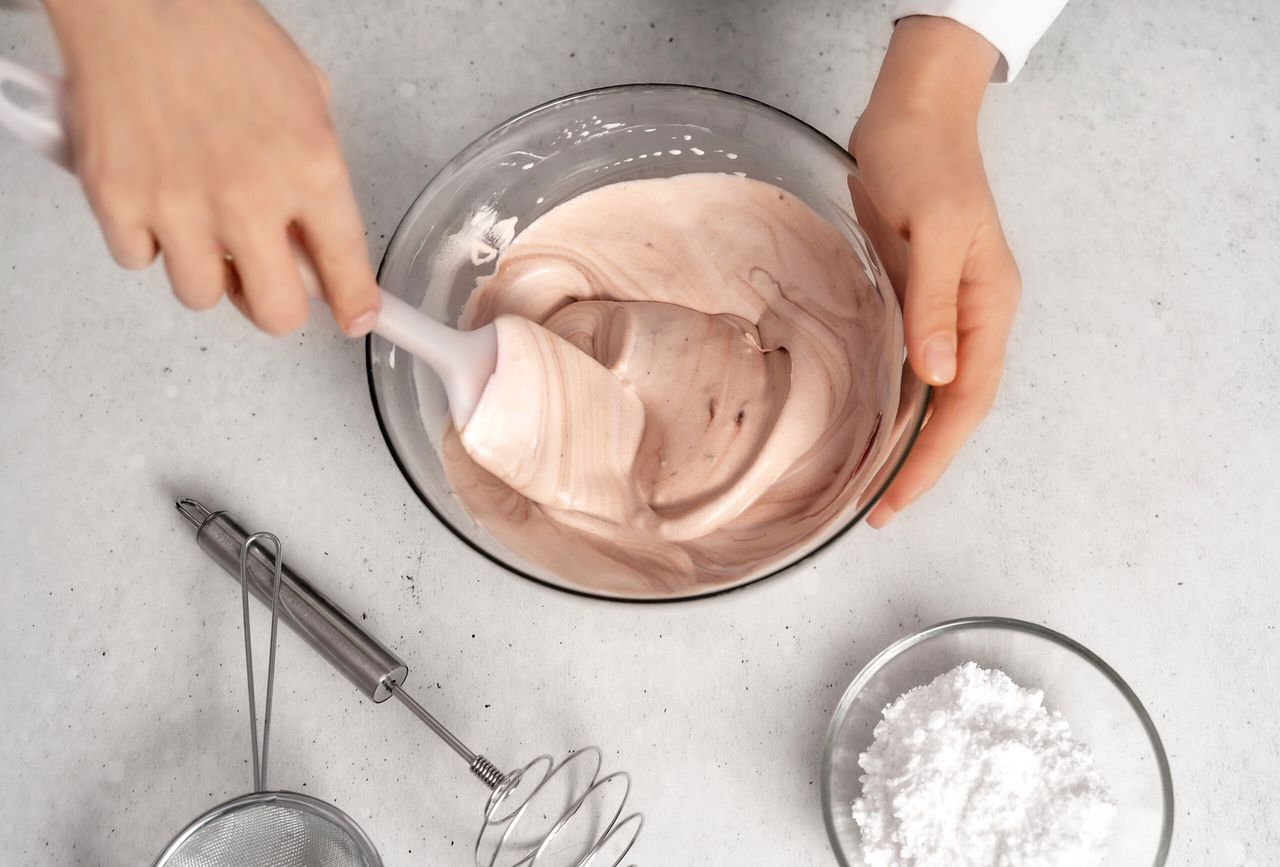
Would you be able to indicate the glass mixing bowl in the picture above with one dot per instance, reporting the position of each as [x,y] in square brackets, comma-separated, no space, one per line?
[1102,711]
[532,163]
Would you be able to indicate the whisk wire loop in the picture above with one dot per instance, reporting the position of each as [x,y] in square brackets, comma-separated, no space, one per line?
[529,797]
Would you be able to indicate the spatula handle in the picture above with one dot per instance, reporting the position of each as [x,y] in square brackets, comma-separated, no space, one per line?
[37,122]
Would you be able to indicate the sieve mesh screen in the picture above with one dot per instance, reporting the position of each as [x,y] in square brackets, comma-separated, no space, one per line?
[270,835]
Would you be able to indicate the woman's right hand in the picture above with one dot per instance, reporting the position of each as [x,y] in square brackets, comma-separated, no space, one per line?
[202,132]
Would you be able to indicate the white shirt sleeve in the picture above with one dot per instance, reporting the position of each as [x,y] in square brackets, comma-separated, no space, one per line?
[1012,26]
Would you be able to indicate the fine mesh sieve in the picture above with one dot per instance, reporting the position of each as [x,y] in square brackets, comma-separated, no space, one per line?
[268,829]
[271,828]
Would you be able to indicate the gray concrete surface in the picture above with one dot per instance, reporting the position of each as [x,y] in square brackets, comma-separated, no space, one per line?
[1123,491]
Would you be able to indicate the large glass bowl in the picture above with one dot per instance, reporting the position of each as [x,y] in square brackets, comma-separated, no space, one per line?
[535,161]
[1102,710]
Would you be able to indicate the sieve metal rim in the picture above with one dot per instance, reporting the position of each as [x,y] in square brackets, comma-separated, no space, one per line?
[292,800]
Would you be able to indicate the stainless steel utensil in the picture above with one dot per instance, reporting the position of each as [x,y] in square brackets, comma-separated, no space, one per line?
[263,828]
[544,813]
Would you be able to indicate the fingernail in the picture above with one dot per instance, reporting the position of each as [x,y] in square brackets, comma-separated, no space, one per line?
[940,358]
[880,516]
[362,324]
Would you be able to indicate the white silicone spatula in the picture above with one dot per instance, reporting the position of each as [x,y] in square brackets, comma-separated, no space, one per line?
[464,360]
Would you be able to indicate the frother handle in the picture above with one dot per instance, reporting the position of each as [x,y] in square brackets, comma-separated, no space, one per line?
[364,660]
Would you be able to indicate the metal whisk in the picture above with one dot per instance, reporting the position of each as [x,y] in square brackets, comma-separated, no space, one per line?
[544,814]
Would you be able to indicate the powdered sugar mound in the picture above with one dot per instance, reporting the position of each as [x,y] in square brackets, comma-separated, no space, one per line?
[972,771]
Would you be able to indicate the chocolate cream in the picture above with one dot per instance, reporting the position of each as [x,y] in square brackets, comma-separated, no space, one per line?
[714,379]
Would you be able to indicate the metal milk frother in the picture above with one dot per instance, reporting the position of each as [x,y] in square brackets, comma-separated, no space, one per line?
[546,813]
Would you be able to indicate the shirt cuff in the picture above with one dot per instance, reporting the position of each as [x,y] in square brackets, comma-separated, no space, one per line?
[1012,26]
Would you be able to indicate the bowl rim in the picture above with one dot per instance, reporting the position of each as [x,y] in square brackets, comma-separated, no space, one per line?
[909,641]
[453,165]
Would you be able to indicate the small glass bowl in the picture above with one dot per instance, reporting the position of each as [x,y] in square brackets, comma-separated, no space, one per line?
[534,162]
[1102,710]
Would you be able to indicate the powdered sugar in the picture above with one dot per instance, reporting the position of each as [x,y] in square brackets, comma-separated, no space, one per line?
[971,770]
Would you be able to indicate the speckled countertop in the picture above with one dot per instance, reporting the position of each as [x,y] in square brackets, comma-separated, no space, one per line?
[1123,491]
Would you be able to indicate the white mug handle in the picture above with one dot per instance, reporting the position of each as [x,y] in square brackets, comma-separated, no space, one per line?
[39,125]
